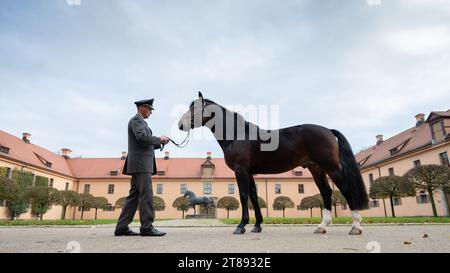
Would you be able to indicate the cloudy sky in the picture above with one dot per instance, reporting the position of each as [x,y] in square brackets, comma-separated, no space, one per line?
[69,73]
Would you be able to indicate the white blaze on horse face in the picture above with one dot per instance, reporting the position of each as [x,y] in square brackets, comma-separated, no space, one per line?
[356,219]
[326,221]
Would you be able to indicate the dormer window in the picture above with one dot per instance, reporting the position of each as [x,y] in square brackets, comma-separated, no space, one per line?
[298,172]
[393,151]
[114,173]
[161,173]
[44,161]
[438,131]
[4,149]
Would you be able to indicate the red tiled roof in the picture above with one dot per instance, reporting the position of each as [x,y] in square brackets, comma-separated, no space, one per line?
[30,154]
[404,142]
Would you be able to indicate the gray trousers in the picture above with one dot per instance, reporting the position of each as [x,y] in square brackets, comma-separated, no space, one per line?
[141,194]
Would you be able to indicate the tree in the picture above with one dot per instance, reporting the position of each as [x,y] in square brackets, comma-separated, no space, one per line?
[158,203]
[181,203]
[391,187]
[11,193]
[86,202]
[14,192]
[41,198]
[67,198]
[282,203]
[228,203]
[337,199]
[261,202]
[120,203]
[310,203]
[99,203]
[429,178]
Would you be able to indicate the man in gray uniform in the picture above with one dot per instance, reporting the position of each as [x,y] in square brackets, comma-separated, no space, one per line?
[141,165]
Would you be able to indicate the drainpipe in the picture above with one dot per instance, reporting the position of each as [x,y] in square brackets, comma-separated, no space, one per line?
[267,199]
[444,202]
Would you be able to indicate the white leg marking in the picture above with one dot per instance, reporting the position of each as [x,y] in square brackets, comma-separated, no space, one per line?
[356,219]
[326,221]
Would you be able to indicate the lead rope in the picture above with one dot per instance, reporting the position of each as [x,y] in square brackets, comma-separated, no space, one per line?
[182,144]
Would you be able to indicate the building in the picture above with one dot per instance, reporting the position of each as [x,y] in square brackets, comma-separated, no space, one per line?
[428,142]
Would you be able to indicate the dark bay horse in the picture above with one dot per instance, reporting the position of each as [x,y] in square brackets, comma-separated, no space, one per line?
[208,202]
[321,150]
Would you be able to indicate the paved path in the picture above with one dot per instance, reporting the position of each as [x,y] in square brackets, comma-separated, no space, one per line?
[219,239]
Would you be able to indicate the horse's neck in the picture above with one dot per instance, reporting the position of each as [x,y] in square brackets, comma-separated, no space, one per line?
[238,122]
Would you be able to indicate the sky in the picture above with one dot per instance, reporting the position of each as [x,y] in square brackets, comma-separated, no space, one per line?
[70,70]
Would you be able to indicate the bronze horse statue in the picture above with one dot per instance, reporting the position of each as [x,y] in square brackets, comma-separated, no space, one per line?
[208,202]
[321,150]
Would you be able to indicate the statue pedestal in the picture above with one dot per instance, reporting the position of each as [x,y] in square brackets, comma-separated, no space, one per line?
[204,214]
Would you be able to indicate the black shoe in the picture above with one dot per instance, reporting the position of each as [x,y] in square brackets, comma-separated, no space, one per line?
[151,232]
[128,232]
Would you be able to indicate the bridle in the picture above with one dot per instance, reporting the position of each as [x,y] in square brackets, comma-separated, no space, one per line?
[185,142]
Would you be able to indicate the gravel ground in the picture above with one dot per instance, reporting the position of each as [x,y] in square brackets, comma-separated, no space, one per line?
[219,239]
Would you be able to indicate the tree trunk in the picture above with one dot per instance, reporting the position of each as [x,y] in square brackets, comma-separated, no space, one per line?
[228,214]
[335,211]
[283,214]
[182,214]
[392,205]
[433,205]
[82,212]
[96,214]
[13,216]
[384,206]
[311,212]
[63,213]
[321,212]
[41,217]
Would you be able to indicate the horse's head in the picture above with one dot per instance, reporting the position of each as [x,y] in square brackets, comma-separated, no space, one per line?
[195,117]
[188,194]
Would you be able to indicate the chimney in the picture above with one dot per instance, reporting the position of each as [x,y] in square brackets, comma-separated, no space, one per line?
[65,152]
[166,155]
[124,156]
[379,139]
[420,119]
[26,137]
[208,155]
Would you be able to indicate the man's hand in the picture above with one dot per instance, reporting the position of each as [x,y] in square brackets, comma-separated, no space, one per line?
[164,140]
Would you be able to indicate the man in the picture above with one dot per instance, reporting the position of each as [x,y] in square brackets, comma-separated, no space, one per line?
[141,165]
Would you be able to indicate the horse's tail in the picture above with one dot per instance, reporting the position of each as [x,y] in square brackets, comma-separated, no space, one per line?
[352,174]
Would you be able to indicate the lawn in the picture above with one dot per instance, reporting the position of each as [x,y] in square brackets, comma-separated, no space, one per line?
[347,220]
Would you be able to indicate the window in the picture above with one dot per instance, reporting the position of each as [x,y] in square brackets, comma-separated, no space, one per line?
[417,163]
[4,149]
[374,203]
[110,207]
[85,209]
[391,172]
[8,172]
[87,188]
[301,188]
[207,188]
[438,131]
[393,151]
[344,207]
[397,201]
[277,188]
[67,186]
[371,178]
[299,207]
[230,188]
[50,183]
[111,189]
[2,203]
[444,159]
[183,188]
[159,189]
[422,198]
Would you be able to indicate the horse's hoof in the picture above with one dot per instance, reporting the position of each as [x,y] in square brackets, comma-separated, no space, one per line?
[320,231]
[239,231]
[257,229]
[355,231]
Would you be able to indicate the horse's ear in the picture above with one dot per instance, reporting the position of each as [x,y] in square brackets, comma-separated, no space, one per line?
[200,95]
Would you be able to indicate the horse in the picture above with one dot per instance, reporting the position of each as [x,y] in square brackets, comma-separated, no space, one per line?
[208,202]
[323,151]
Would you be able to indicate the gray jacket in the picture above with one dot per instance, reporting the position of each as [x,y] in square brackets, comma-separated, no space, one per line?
[141,148]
